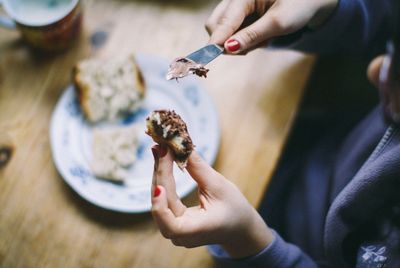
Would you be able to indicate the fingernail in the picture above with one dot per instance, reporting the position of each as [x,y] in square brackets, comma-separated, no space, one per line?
[162,151]
[157,191]
[233,45]
[154,151]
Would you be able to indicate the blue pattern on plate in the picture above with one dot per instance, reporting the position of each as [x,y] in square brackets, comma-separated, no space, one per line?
[142,147]
[192,94]
[136,116]
[141,196]
[79,172]
[73,108]
[65,139]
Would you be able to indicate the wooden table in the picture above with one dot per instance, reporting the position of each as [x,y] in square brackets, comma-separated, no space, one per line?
[43,223]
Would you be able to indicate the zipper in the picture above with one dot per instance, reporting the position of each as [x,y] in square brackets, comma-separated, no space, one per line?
[390,131]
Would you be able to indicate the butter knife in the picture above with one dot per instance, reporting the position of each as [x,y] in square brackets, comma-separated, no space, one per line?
[194,62]
[206,54]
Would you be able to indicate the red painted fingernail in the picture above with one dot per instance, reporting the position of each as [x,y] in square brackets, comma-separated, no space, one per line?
[157,191]
[233,45]
[162,151]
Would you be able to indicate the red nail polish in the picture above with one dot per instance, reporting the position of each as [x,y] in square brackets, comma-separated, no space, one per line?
[162,151]
[233,45]
[157,191]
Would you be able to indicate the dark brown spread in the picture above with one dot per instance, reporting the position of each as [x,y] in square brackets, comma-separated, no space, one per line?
[181,67]
[174,126]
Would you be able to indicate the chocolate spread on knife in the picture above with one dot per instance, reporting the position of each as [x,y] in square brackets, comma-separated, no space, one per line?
[181,67]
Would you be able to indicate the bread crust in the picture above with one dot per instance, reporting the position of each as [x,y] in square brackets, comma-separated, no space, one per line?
[140,82]
[82,91]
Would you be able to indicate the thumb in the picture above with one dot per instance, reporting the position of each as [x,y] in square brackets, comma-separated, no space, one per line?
[374,70]
[201,171]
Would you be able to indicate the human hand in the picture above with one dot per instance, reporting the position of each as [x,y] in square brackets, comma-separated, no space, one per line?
[223,217]
[374,69]
[275,18]
[383,73]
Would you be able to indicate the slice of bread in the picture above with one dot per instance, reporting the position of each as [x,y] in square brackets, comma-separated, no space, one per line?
[107,89]
[113,151]
[168,128]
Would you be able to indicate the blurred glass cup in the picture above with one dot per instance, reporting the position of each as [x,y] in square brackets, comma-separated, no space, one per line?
[49,25]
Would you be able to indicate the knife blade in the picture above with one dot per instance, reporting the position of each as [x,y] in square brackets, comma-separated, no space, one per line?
[206,54]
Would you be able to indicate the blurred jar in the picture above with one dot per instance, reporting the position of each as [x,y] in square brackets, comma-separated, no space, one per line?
[49,25]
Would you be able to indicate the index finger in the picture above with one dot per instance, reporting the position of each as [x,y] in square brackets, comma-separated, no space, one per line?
[222,24]
[163,216]
[213,18]
[163,175]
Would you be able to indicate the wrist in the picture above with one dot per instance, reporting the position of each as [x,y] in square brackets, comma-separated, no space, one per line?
[250,240]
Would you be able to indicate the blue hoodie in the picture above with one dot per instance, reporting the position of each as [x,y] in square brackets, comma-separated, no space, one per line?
[341,209]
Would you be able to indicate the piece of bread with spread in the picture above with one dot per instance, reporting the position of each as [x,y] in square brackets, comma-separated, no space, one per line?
[167,128]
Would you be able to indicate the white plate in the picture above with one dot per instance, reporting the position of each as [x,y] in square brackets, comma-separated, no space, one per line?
[71,135]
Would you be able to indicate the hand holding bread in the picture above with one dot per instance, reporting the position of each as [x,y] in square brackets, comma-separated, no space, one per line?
[224,215]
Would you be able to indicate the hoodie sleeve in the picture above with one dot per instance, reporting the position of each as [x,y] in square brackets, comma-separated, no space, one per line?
[359,27]
[278,254]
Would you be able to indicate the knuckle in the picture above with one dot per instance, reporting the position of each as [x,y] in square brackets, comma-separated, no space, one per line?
[176,242]
[195,158]
[166,229]
[159,173]
[164,233]
[163,174]
[276,22]
[183,243]
[188,246]
[156,212]
[252,36]
[208,26]
[167,233]
[170,232]
[226,23]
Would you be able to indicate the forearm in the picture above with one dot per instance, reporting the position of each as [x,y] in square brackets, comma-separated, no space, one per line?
[356,26]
